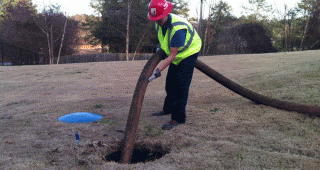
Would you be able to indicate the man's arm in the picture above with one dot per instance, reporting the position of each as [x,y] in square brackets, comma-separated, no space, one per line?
[177,41]
[168,61]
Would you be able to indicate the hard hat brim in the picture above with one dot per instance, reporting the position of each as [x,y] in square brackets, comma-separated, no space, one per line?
[165,13]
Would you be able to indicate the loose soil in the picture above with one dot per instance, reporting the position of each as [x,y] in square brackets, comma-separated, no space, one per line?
[223,130]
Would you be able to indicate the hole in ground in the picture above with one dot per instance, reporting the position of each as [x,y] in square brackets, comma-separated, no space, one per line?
[141,153]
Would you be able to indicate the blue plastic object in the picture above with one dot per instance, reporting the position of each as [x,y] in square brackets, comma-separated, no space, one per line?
[77,137]
[80,117]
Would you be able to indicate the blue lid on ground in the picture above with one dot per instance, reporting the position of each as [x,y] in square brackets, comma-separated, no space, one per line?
[80,117]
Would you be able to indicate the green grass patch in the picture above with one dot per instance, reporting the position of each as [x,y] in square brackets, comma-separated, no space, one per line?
[36,113]
[241,154]
[107,121]
[214,110]
[302,94]
[104,121]
[25,123]
[5,117]
[12,103]
[98,106]
[254,78]
[152,131]
[313,97]
[271,85]
[77,71]
[309,124]
[312,74]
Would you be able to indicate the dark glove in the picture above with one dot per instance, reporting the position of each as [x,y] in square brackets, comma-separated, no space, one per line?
[155,75]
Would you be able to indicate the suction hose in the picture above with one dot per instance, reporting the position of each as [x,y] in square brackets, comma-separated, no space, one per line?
[135,108]
[141,87]
[259,99]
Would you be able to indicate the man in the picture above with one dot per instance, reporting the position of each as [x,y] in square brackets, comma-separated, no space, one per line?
[181,43]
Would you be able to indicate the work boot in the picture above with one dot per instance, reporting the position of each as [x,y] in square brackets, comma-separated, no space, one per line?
[162,113]
[170,125]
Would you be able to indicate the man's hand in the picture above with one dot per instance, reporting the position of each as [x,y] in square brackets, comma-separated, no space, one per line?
[168,61]
[155,75]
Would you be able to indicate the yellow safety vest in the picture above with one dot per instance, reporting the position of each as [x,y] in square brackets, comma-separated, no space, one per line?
[192,44]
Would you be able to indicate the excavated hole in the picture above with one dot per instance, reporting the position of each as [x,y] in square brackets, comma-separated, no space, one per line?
[141,153]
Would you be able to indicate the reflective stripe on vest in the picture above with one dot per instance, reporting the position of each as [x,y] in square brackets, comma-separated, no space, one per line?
[190,31]
[190,39]
[192,43]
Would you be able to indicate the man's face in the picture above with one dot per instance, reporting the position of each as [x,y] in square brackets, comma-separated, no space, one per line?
[162,21]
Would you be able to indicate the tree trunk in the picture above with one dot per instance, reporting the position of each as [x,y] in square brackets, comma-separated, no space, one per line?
[285,27]
[204,41]
[200,22]
[135,52]
[291,33]
[49,46]
[304,34]
[64,31]
[128,29]
[101,47]
[312,32]
[209,37]
[52,56]
[285,36]
[218,20]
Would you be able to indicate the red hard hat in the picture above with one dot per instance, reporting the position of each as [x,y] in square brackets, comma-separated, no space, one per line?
[159,9]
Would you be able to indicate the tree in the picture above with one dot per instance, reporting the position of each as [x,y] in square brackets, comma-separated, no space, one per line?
[289,20]
[219,18]
[18,31]
[97,5]
[311,31]
[4,6]
[45,22]
[305,9]
[63,35]
[258,7]
[95,34]
[220,11]
[144,37]
[143,33]
[128,28]
[111,29]
[181,8]
[125,26]
[53,24]
[16,25]
[123,7]
[245,38]
[114,28]
[200,20]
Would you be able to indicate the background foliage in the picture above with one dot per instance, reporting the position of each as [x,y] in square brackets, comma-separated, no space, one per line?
[295,29]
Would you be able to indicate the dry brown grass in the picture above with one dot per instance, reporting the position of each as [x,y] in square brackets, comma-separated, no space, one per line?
[223,130]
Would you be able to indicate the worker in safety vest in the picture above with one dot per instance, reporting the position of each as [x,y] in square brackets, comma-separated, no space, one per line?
[181,44]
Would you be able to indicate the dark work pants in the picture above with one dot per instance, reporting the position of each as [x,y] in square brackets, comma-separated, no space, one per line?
[177,87]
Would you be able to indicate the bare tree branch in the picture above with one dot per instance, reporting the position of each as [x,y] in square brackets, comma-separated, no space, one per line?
[64,31]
